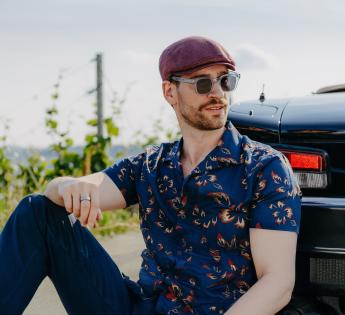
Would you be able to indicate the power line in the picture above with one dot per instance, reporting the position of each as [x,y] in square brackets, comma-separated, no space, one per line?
[71,71]
[67,73]
[107,81]
[63,74]
[115,93]
[41,125]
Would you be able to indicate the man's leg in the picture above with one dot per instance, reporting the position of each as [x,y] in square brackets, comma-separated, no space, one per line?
[38,241]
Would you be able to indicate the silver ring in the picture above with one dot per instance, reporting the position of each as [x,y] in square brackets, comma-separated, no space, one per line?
[85,198]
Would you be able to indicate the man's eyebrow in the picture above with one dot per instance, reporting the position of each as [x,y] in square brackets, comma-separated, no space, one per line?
[207,75]
[222,72]
[199,76]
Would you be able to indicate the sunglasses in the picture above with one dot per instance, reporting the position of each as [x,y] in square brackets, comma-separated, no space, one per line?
[204,85]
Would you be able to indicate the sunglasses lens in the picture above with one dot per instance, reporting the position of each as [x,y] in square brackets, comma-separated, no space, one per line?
[232,81]
[204,86]
[225,82]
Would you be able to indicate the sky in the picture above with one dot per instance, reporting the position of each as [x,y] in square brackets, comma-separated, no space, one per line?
[293,47]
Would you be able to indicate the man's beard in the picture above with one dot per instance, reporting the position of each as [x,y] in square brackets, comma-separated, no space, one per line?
[198,119]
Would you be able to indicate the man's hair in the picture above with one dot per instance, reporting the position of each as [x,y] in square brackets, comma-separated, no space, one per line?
[177,83]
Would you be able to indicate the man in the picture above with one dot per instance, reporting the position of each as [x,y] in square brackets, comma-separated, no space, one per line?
[219,214]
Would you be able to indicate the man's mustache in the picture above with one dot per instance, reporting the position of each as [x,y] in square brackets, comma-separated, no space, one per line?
[214,101]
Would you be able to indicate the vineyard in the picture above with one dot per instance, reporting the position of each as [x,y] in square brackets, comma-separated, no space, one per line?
[18,179]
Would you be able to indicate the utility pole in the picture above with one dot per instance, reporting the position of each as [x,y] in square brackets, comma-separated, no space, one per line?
[99,91]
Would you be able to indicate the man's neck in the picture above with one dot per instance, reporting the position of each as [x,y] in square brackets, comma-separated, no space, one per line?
[197,144]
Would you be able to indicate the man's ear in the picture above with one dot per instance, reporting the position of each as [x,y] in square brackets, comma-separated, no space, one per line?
[169,92]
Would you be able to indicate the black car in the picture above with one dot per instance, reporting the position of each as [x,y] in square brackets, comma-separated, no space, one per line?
[310,131]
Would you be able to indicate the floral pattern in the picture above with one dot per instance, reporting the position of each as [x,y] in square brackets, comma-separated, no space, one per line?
[196,228]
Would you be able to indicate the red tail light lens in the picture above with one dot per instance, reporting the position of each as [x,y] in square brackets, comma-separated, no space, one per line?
[309,168]
[305,161]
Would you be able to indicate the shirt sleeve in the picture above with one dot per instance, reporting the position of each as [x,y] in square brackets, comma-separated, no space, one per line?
[125,175]
[277,197]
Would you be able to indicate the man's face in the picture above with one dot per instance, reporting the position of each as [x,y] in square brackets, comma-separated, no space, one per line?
[203,111]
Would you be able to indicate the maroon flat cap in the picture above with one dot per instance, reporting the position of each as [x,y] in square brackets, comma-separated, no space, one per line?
[190,54]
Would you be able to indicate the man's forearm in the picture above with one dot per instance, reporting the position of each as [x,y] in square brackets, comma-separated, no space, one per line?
[266,297]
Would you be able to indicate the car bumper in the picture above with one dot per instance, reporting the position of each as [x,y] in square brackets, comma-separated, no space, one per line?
[320,264]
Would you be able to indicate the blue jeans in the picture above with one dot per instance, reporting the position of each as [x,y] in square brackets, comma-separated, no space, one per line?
[38,241]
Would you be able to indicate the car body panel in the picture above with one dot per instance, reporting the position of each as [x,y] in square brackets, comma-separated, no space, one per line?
[312,123]
[320,117]
[259,119]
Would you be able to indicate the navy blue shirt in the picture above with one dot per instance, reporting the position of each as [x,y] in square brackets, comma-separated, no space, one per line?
[196,228]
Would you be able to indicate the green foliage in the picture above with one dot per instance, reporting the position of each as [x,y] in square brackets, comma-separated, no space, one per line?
[67,162]
[118,221]
[33,175]
[159,133]
[6,171]
[112,129]
[6,178]
[95,157]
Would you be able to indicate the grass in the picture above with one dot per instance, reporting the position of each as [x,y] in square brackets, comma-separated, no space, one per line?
[117,222]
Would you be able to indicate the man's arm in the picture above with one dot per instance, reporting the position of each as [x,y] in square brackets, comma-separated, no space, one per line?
[274,254]
[104,194]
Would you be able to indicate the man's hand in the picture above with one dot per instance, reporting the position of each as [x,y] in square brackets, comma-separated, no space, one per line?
[86,196]
[82,199]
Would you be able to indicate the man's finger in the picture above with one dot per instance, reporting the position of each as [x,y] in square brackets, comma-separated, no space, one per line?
[94,209]
[76,204]
[85,203]
[67,199]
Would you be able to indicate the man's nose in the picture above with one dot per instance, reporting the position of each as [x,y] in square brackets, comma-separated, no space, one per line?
[216,90]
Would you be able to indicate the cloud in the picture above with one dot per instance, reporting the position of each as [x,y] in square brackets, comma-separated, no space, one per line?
[133,66]
[251,57]
[140,57]
[206,3]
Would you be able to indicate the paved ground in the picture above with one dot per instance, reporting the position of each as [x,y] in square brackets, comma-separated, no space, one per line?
[125,249]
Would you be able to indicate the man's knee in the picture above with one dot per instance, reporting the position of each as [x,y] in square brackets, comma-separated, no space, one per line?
[43,207]
[29,209]
[33,200]
[27,218]
[30,203]
[36,210]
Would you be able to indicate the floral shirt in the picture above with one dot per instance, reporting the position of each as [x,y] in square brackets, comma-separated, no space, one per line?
[196,228]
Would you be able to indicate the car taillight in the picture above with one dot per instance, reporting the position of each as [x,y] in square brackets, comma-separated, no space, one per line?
[305,161]
[309,168]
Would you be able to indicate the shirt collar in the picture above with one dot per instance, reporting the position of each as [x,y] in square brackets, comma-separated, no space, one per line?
[175,152]
[228,150]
